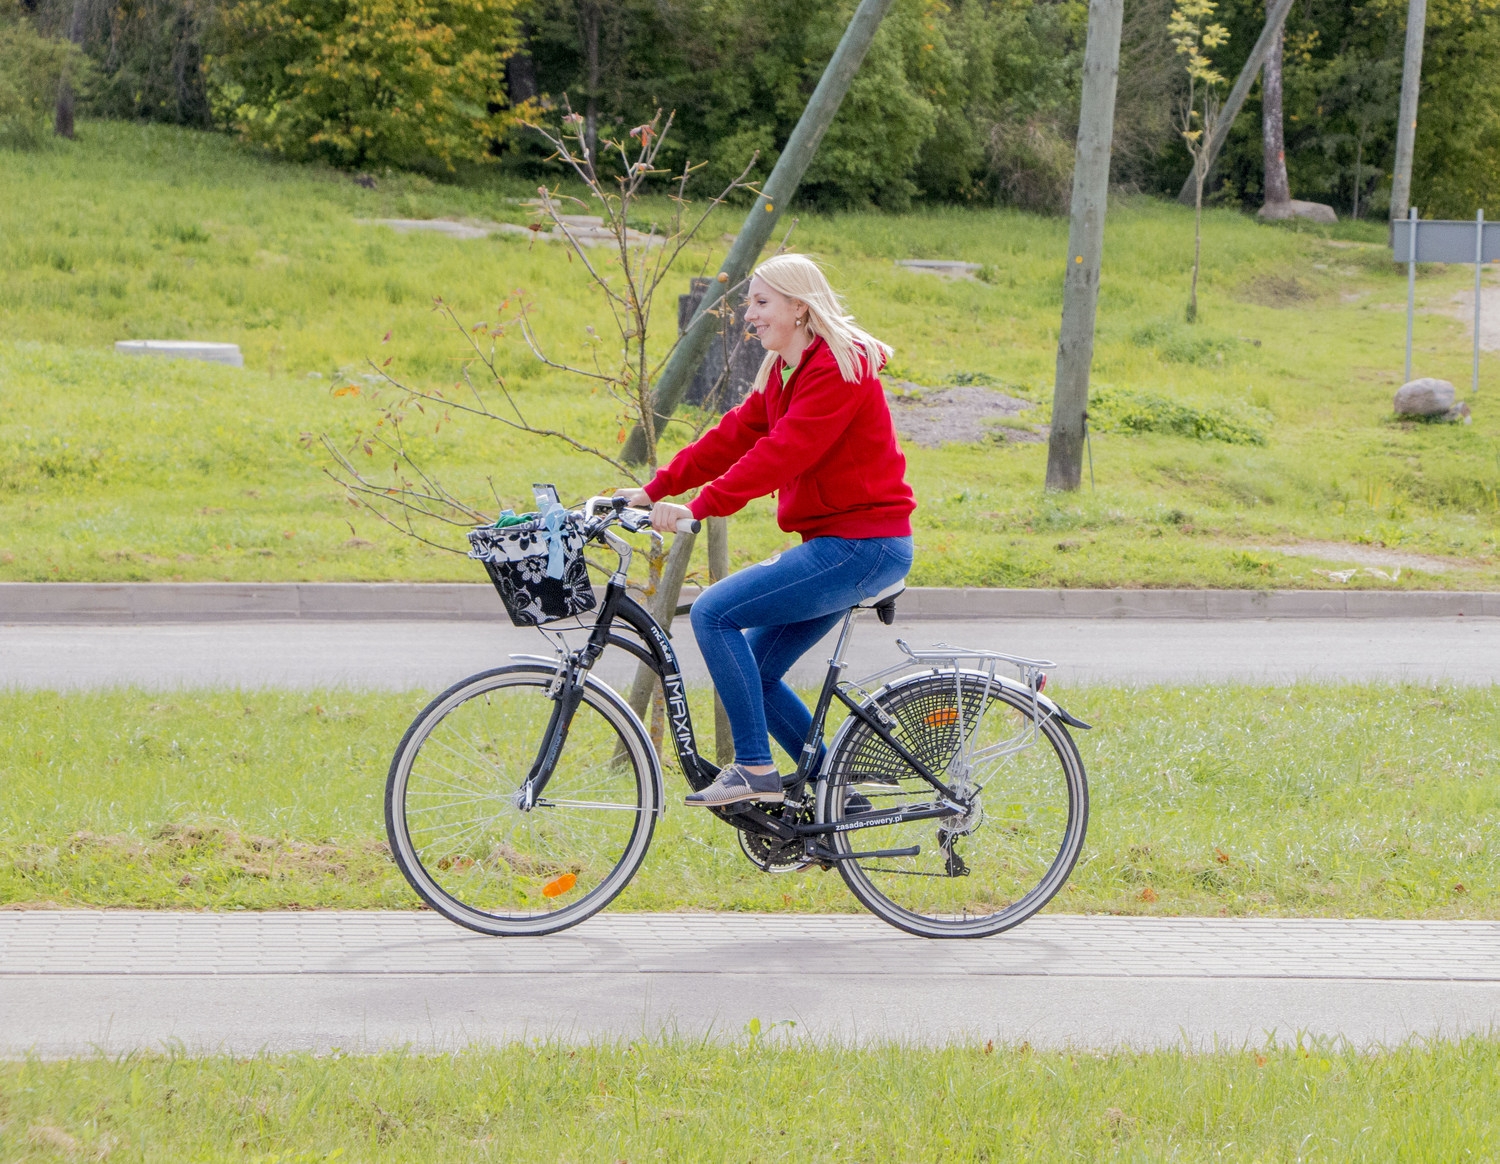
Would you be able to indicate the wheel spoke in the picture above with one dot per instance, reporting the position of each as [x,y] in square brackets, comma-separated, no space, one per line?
[545,802]
[1016,842]
[477,857]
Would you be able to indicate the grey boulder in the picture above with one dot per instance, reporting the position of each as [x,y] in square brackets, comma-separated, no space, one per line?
[1312,211]
[1424,397]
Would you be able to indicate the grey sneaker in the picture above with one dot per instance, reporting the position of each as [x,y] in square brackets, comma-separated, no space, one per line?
[736,784]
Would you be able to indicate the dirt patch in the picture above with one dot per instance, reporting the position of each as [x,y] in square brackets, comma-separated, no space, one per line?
[1276,291]
[1489,315]
[1366,556]
[932,417]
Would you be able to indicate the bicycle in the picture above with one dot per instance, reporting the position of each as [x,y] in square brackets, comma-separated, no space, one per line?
[523,799]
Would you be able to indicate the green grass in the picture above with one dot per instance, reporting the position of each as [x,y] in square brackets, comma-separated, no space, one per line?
[1371,801]
[117,468]
[753,1100]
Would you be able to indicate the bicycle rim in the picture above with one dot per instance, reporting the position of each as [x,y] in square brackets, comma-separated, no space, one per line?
[459,836]
[976,874]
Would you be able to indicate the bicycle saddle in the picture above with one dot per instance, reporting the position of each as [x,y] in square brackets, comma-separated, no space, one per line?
[884,603]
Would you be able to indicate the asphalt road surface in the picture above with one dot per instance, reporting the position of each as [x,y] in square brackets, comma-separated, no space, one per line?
[431,655]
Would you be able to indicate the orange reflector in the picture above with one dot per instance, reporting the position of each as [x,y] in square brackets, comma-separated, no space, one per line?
[559,886]
[942,717]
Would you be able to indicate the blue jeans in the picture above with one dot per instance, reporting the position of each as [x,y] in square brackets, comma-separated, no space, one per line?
[752,626]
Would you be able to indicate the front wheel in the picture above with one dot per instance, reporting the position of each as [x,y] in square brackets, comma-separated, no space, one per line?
[458,831]
[988,868]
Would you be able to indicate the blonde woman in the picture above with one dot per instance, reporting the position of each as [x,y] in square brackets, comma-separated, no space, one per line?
[815,429]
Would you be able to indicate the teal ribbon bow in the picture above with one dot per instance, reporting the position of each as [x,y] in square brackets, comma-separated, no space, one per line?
[553,518]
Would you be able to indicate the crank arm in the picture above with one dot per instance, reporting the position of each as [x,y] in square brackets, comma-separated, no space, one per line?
[742,815]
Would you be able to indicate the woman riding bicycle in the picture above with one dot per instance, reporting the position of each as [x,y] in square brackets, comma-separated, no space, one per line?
[816,430]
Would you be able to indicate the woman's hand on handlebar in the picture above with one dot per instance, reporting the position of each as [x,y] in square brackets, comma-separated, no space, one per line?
[666,517]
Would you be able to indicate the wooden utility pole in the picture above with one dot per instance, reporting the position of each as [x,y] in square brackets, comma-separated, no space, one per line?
[767,209]
[1406,125]
[663,607]
[1075,342]
[1275,21]
[718,567]
[62,120]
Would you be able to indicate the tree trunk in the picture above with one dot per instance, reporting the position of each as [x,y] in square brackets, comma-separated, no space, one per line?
[62,122]
[1200,170]
[520,71]
[589,19]
[1359,155]
[1075,339]
[1273,137]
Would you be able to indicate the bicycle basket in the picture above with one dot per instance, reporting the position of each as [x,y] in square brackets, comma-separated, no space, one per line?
[539,571]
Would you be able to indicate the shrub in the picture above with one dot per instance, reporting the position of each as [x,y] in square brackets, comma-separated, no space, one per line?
[1176,344]
[362,83]
[1128,411]
[31,68]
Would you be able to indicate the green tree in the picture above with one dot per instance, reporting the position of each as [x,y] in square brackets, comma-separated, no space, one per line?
[1457,165]
[366,82]
[32,67]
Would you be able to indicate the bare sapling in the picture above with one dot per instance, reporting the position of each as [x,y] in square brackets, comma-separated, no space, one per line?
[1193,34]
[628,268]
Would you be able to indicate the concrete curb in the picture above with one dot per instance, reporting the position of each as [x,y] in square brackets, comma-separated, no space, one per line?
[135,602]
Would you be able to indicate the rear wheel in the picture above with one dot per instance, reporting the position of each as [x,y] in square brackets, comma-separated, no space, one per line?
[976,872]
[456,827]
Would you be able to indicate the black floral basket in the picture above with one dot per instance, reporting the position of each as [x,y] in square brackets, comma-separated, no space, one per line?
[538,569]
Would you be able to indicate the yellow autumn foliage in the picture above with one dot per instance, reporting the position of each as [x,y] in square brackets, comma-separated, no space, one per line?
[364,83]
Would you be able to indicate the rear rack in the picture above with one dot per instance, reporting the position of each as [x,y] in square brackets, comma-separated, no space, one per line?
[944,656]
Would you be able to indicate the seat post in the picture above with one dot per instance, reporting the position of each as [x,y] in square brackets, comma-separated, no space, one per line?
[814,739]
[844,633]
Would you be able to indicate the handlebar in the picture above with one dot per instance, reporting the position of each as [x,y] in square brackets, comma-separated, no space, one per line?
[635,520]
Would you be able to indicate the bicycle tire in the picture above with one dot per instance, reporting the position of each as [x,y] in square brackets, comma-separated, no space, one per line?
[1014,851]
[471,853]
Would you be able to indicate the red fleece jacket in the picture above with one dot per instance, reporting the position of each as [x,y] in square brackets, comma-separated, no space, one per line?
[828,447]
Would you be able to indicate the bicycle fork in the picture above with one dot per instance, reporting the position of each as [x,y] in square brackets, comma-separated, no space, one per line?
[564,704]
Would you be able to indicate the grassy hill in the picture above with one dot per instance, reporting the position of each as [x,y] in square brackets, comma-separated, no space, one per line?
[114,467]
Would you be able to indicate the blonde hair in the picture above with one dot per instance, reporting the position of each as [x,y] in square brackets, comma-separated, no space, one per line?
[797,277]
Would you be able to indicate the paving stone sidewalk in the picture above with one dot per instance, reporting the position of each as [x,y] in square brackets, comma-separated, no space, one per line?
[77,981]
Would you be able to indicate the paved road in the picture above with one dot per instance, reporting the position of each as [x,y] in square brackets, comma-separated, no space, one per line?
[431,655]
[74,982]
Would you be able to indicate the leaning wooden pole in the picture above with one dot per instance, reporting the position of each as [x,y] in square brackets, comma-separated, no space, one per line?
[1075,342]
[1275,19]
[1411,90]
[777,191]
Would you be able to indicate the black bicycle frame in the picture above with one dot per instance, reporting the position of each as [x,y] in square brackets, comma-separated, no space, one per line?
[655,650]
